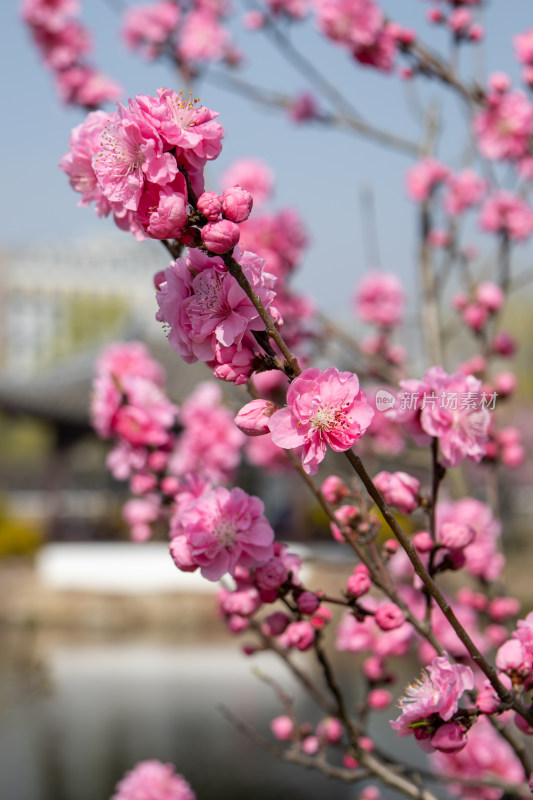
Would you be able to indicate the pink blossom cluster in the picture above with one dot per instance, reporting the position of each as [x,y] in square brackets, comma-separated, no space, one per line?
[486,301]
[460,21]
[461,429]
[209,317]
[380,299]
[505,126]
[424,178]
[482,557]
[360,26]
[324,408]
[131,162]
[64,43]
[153,780]
[464,190]
[194,35]
[505,213]
[165,453]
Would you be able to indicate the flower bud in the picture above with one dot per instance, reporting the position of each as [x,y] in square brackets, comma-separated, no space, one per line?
[210,205]
[237,204]
[253,418]
[219,237]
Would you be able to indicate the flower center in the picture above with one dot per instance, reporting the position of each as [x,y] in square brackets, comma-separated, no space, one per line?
[184,110]
[225,532]
[325,418]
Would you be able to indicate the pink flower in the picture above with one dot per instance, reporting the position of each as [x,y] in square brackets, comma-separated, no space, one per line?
[207,310]
[449,407]
[379,299]
[504,128]
[464,190]
[523,43]
[355,23]
[147,27]
[182,123]
[77,163]
[334,489]
[131,151]
[438,691]
[323,408]
[202,37]
[399,489]
[223,529]
[482,557]
[154,780]
[506,213]
[251,174]
[210,443]
[424,177]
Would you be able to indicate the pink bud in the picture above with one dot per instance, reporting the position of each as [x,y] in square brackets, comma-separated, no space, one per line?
[496,634]
[321,617]
[379,699]
[142,483]
[210,205]
[399,489]
[503,608]
[459,20]
[455,535]
[275,624]
[359,584]
[334,489]
[253,418]
[475,316]
[435,15]
[512,658]
[271,575]
[390,546]
[476,33]
[503,344]
[310,745]
[523,725]
[307,602]
[237,624]
[237,204]
[459,301]
[423,541]
[373,668]
[219,237]
[490,295]
[499,82]
[389,616]
[330,729]
[282,728]
[298,634]
[505,383]
[487,701]
[449,738]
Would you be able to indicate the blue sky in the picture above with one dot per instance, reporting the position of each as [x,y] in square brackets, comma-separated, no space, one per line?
[320,172]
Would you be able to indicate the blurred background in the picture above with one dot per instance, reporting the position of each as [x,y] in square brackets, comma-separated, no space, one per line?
[105,649]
